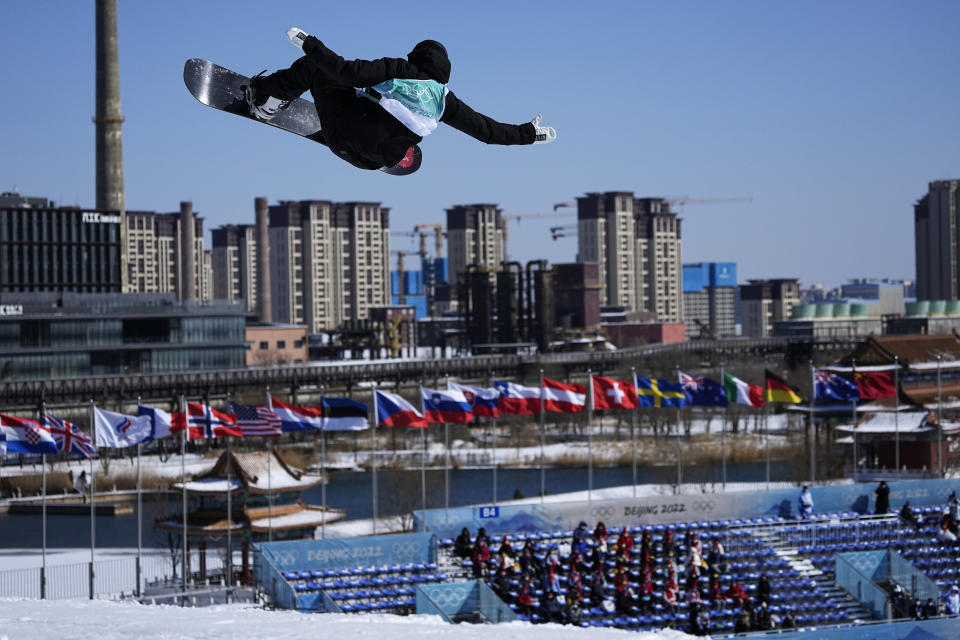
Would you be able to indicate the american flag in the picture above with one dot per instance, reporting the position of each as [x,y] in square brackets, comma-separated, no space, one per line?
[68,436]
[256,421]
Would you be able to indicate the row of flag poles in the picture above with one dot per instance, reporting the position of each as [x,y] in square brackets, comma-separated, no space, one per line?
[456,404]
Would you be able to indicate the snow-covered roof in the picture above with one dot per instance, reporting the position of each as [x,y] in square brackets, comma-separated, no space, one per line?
[209,485]
[304,517]
[255,472]
[903,422]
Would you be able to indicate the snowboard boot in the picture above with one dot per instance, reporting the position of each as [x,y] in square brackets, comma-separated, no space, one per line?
[262,105]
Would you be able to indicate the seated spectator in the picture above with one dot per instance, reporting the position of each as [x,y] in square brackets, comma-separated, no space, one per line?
[717,559]
[525,599]
[951,603]
[743,623]
[737,594]
[598,586]
[805,504]
[580,535]
[529,562]
[626,598]
[762,620]
[945,535]
[699,619]
[789,620]
[552,611]
[481,555]
[716,592]
[693,592]
[624,543]
[763,590]
[463,545]
[574,614]
[670,593]
[551,579]
[931,608]
[909,517]
[693,543]
[574,585]
[600,534]
[507,548]
[646,542]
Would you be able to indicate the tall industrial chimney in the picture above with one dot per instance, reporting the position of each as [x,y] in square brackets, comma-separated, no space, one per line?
[188,254]
[264,298]
[108,119]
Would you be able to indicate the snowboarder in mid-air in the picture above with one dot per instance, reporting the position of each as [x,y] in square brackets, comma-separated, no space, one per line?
[374,112]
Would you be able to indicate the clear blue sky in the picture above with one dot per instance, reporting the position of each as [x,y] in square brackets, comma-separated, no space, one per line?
[832,115]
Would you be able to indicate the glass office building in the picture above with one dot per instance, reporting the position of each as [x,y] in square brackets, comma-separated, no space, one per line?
[65,335]
[47,248]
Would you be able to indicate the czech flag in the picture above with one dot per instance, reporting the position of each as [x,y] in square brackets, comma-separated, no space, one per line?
[445,406]
[562,397]
[482,400]
[517,400]
[394,411]
[297,418]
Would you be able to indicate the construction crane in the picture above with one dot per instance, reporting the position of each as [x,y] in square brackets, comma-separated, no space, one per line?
[679,201]
[562,231]
[439,231]
[508,217]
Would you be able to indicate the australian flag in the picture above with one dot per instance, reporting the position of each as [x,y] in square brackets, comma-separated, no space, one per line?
[830,386]
[703,392]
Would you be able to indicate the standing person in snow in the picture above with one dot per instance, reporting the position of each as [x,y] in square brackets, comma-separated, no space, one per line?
[883,499]
[805,503]
[82,485]
[373,112]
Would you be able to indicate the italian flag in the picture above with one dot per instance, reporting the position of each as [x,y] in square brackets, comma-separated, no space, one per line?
[740,392]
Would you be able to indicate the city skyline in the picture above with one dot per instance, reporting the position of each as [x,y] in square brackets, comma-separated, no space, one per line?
[816,112]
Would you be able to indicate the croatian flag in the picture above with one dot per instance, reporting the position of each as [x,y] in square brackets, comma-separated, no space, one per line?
[26,436]
[562,397]
[445,406]
[161,422]
[613,394]
[482,400]
[344,414]
[203,421]
[69,437]
[297,418]
[516,399]
[394,411]
[118,430]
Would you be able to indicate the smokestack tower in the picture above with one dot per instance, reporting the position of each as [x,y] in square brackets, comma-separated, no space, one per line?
[264,297]
[108,119]
[188,229]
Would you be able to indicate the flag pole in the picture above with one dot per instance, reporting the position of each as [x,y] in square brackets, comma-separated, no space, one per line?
[543,473]
[373,454]
[853,408]
[493,440]
[446,462]
[43,508]
[93,512]
[896,411]
[423,461]
[183,489]
[939,421]
[270,480]
[633,430]
[229,501]
[723,430]
[813,426]
[589,441]
[139,516]
[323,467]
[766,438]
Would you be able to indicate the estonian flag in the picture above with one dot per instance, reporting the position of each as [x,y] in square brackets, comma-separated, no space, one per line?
[343,414]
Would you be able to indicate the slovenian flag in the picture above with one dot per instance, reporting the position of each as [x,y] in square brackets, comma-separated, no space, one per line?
[394,411]
[562,397]
[516,399]
[297,418]
[482,400]
[449,406]
[25,436]
[343,414]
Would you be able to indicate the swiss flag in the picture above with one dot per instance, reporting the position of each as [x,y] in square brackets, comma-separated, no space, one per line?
[562,397]
[613,394]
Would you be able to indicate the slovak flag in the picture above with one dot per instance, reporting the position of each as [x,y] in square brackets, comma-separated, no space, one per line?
[394,411]
[203,421]
[26,436]
[69,437]
[613,394]
[517,400]
[449,406]
[119,430]
[562,397]
[483,400]
[297,418]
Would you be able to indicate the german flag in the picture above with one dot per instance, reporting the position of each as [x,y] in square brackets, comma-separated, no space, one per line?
[776,389]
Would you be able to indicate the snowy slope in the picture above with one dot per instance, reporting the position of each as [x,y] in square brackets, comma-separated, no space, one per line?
[67,619]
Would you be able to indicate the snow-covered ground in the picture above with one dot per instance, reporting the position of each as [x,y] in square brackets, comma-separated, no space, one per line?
[68,619]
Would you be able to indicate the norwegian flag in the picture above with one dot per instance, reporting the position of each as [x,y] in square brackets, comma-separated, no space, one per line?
[69,437]
[203,421]
[256,421]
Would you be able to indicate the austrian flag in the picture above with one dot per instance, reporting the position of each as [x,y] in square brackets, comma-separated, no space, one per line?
[613,394]
[563,398]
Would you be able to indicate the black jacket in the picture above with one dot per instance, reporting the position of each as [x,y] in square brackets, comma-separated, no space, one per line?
[366,135]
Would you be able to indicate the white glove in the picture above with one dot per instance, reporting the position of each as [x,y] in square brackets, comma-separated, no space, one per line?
[296,36]
[543,134]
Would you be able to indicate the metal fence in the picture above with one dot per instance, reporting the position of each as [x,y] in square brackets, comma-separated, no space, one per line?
[116,578]
[861,587]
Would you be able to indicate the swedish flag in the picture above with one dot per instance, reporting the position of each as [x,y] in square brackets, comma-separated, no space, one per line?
[653,392]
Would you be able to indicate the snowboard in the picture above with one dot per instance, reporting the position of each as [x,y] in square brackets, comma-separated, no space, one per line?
[222,89]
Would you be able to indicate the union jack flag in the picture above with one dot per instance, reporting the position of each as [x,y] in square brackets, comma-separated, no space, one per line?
[69,437]
[256,421]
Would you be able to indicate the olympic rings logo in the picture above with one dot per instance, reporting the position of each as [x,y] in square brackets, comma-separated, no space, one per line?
[702,506]
[405,549]
[602,512]
[286,557]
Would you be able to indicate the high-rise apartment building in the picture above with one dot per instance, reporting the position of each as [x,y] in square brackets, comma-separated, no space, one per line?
[156,260]
[474,237]
[234,264]
[936,236]
[636,242]
[329,262]
[710,299]
[766,302]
